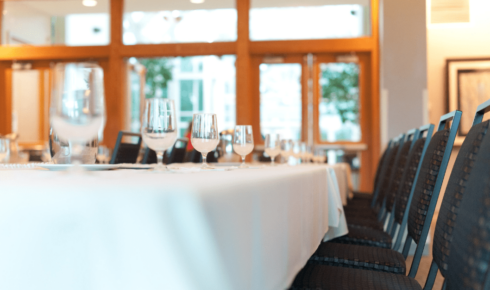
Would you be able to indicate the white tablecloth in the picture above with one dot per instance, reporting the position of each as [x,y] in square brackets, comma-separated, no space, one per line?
[129,229]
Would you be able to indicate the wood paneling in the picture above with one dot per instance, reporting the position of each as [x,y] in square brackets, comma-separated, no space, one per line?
[178,49]
[114,80]
[244,102]
[5,100]
[312,46]
[52,52]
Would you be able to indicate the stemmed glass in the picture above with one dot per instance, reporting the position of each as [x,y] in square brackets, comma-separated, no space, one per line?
[4,149]
[286,149]
[77,110]
[272,146]
[205,136]
[243,142]
[159,129]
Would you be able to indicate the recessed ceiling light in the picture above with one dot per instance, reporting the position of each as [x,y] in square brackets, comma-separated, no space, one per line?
[89,3]
[197,1]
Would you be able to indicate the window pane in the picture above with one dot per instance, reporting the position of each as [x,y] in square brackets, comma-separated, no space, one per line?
[150,21]
[309,19]
[280,100]
[196,84]
[56,23]
[339,102]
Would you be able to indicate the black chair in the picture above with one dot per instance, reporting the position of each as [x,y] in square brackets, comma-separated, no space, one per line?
[176,155]
[387,260]
[456,190]
[361,214]
[425,194]
[364,235]
[126,152]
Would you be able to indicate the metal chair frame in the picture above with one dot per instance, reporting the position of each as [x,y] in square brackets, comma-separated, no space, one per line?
[434,268]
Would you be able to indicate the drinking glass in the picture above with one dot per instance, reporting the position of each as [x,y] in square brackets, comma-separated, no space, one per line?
[286,149]
[272,146]
[243,142]
[4,149]
[205,135]
[103,155]
[159,127]
[77,110]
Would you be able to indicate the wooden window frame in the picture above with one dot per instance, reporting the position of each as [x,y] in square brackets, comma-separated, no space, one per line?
[112,58]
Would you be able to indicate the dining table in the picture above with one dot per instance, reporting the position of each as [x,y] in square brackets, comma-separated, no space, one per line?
[220,229]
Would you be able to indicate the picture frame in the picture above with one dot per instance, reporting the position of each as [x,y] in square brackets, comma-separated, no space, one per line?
[467,86]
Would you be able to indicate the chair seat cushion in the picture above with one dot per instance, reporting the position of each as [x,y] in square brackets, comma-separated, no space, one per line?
[360,257]
[366,237]
[366,222]
[321,277]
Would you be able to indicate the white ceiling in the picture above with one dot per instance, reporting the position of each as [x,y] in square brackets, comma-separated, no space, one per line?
[64,7]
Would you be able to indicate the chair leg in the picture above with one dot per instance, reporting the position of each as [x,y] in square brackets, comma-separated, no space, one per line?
[431,278]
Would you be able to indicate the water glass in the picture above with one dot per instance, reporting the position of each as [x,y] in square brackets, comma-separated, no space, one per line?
[286,149]
[103,154]
[272,146]
[205,135]
[243,142]
[159,127]
[77,111]
[4,149]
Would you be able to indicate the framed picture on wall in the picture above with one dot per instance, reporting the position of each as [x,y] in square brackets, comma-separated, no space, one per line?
[468,85]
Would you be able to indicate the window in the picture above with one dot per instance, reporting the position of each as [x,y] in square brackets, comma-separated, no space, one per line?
[196,84]
[339,102]
[311,19]
[280,100]
[149,21]
[55,23]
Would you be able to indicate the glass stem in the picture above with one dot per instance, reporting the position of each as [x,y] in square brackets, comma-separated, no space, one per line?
[204,156]
[243,160]
[272,160]
[159,159]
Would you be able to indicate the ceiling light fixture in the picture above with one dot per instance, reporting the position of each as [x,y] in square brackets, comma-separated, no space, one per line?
[197,1]
[89,3]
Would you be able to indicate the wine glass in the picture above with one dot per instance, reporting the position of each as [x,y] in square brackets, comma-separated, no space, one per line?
[77,110]
[243,142]
[4,149]
[205,136]
[286,149]
[272,146]
[159,128]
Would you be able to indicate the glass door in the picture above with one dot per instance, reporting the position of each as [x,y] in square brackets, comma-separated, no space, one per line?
[280,94]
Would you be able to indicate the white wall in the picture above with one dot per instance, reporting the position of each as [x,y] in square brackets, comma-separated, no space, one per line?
[403,65]
[25,105]
[456,40]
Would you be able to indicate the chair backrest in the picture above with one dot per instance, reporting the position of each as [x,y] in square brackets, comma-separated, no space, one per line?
[177,155]
[126,152]
[381,163]
[455,191]
[428,185]
[469,256]
[399,169]
[406,188]
[384,180]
